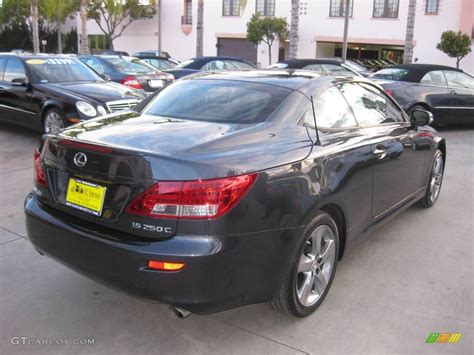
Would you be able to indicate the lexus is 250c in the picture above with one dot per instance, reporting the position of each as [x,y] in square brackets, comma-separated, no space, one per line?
[232,188]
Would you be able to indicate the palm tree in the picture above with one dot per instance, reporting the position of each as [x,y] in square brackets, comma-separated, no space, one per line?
[295,19]
[84,39]
[408,50]
[199,28]
[34,25]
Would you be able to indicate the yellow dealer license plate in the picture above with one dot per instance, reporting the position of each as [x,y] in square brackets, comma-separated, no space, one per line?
[85,196]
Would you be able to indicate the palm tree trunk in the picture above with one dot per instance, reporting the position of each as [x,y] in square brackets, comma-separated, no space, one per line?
[269,54]
[34,25]
[84,38]
[294,37]
[410,31]
[58,21]
[199,28]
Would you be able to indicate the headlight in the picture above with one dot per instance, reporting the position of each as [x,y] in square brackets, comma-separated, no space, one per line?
[102,111]
[86,108]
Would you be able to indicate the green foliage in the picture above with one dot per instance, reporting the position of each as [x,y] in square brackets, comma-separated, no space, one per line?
[70,41]
[455,44]
[266,29]
[117,15]
[57,10]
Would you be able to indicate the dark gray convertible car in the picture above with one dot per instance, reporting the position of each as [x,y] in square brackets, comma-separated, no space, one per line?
[446,92]
[232,188]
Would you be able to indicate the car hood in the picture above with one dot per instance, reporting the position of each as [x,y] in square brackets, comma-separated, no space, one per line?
[98,91]
[191,145]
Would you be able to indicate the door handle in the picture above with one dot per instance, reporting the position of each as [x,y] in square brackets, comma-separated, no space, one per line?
[380,153]
[453,92]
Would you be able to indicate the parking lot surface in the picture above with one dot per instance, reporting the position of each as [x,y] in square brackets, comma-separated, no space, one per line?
[412,277]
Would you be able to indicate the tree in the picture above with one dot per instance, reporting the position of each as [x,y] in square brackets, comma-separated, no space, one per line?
[34,25]
[114,16]
[200,28]
[455,45]
[410,31]
[84,37]
[57,11]
[267,30]
[295,19]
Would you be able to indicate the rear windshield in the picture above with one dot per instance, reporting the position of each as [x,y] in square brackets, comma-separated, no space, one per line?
[390,74]
[131,66]
[218,101]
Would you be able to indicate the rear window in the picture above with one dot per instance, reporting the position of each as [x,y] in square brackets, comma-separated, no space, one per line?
[133,66]
[218,101]
[390,74]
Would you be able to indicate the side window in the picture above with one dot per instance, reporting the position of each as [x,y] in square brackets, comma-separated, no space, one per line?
[333,68]
[331,111]
[214,65]
[94,64]
[370,105]
[459,80]
[235,65]
[316,67]
[2,67]
[435,77]
[13,70]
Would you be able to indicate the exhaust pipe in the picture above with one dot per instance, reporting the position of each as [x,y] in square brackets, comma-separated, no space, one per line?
[180,313]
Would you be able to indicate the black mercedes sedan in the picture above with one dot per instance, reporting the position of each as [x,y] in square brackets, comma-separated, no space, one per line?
[51,92]
[128,71]
[445,91]
[232,188]
[195,65]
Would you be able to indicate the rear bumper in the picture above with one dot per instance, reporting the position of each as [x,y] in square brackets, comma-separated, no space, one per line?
[221,272]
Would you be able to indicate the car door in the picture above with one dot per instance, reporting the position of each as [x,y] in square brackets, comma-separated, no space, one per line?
[461,93]
[3,110]
[397,153]
[15,99]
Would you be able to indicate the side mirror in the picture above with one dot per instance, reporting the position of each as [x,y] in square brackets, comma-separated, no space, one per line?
[421,117]
[20,82]
[105,76]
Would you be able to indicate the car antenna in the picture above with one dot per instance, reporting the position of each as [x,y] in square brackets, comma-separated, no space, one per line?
[318,142]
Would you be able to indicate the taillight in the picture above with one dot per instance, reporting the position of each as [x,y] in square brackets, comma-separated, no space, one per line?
[131,81]
[40,178]
[388,91]
[199,199]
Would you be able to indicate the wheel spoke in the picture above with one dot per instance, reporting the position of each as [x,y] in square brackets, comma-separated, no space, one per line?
[320,283]
[316,239]
[305,263]
[327,253]
[306,287]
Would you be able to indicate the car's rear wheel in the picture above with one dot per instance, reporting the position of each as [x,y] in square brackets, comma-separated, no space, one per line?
[53,121]
[435,180]
[309,276]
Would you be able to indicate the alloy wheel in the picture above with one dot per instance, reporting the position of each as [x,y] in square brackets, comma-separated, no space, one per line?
[316,265]
[436,178]
[53,122]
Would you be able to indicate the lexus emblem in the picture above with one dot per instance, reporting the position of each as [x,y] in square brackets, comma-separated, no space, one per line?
[80,159]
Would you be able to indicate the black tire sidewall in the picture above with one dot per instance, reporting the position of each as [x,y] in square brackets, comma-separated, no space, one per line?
[298,309]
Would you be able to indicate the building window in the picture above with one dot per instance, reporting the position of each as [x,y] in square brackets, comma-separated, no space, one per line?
[386,8]
[230,7]
[337,8]
[187,18]
[432,6]
[265,7]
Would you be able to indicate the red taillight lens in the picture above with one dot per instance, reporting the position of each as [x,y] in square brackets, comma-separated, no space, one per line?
[165,265]
[199,199]
[40,178]
[131,81]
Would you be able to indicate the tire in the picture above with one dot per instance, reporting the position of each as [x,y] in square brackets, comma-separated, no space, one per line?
[435,181]
[53,121]
[294,297]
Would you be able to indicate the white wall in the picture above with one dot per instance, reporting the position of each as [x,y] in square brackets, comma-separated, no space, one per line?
[314,22]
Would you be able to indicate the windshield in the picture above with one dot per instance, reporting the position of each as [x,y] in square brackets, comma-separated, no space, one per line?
[218,101]
[354,66]
[185,63]
[390,74]
[130,66]
[60,70]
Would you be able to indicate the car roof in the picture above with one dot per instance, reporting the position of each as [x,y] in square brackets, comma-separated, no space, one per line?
[306,81]
[143,56]
[300,63]
[417,71]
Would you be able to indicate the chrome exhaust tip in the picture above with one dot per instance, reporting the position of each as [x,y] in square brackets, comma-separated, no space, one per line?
[180,313]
